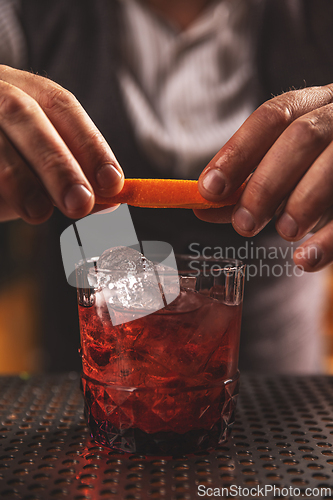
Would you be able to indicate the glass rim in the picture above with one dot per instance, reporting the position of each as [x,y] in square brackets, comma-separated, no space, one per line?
[235,263]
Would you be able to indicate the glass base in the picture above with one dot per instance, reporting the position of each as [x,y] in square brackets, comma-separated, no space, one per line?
[197,433]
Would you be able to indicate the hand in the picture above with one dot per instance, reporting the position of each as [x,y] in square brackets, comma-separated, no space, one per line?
[288,145]
[51,153]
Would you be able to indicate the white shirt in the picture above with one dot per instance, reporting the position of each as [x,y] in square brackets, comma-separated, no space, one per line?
[188,91]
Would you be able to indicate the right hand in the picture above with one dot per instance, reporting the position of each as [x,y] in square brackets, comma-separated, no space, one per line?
[51,153]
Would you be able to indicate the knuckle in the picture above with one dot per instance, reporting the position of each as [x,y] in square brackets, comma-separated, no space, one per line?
[329,89]
[54,162]
[306,205]
[7,175]
[15,107]
[92,144]
[232,151]
[5,69]
[305,197]
[276,112]
[54,97]
[261,198]
[305,131]
[262,189]
[88,141]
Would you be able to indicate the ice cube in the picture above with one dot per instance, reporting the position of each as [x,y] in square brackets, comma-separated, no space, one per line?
[132,285]
[140,292]
[124,260]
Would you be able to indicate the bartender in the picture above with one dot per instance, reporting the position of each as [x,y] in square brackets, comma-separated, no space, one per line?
[168,85]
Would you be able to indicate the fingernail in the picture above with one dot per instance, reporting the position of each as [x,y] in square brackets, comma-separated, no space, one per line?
[287,226]
[107,176]
[214,181]
[244,220]
[38,205]
[77,197]
[311,253]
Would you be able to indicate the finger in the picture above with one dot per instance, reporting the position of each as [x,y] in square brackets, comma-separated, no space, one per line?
[20,190]
[317,252]
[282,169]
[222,215]
[215,215]
[312,197]
[247,147]
[325,219]
[75,127]
[33,135]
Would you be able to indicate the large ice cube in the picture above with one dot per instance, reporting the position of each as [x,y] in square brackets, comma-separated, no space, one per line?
[124,260]
[132,285]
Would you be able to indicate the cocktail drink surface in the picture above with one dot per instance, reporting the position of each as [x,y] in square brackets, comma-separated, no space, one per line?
[165,383]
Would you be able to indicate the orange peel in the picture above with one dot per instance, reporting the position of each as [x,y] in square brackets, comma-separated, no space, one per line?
[168,193]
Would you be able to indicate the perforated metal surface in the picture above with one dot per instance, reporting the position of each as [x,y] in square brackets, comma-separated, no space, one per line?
[283,435]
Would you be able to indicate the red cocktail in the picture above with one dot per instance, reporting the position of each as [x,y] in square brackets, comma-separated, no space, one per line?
[166,383]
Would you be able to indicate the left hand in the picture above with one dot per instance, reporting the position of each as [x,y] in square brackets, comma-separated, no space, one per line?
[288,145]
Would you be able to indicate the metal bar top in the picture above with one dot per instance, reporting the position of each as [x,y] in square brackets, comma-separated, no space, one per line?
[281,447]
